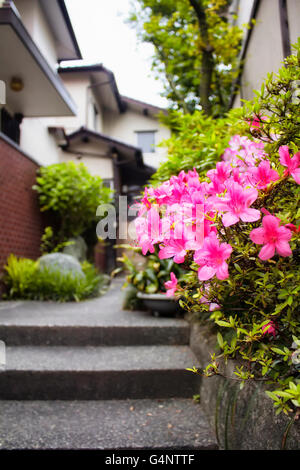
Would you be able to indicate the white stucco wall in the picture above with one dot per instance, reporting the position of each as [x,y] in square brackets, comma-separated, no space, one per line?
[35,22]
[37,142]
[125,126]
[77,86]
[97,166]
[293,7]
[264,54]
[243,10]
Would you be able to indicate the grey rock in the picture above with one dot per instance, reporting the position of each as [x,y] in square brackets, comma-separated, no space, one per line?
[78,248]
[64,263]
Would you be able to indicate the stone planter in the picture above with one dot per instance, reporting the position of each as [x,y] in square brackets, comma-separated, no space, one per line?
[242,419]
[159,304]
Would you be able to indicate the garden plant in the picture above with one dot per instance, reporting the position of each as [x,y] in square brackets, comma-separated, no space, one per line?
[71,195]
[235,230]
[24,279]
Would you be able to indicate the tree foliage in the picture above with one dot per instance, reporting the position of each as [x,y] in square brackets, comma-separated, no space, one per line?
[198,141]
[196,50]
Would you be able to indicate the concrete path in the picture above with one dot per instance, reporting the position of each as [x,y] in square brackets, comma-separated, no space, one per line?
[91,375]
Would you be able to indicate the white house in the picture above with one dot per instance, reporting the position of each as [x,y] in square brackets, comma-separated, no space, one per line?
[109,131]
[34,37]
[76,112]
[53,114]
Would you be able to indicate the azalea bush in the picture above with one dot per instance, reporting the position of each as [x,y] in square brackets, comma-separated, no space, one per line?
[236,232]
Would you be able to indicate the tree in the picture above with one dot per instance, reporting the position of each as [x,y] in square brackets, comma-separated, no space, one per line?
[196,50]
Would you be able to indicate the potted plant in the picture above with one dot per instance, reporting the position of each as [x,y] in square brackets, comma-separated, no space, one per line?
[151,282]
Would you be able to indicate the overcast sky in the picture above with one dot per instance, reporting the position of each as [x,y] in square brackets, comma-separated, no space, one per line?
[104,37]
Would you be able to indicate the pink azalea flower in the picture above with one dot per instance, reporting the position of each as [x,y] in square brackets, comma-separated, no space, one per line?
[193,179]
[212,306]
[293,228]
[269,328]
[221,173]
[175,249]
[145,202]
[163,193]
[243,152]
[212,258]
[148,230]
[273,237]
[218,177]
[236,205]
[262,175]
[266,212]
[171,285]
[256,122]
[238,176]
[292,164]
[146,245]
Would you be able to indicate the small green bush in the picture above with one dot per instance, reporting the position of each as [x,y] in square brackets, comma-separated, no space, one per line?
[72,194]
[24,280]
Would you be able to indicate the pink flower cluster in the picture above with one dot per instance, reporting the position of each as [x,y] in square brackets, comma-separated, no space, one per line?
[180,216]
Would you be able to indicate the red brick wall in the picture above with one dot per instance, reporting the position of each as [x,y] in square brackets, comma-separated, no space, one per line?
[21,224]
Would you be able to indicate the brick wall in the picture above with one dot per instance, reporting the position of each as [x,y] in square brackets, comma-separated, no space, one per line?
[21,224]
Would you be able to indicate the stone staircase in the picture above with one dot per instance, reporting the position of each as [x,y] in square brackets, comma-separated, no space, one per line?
[92,376]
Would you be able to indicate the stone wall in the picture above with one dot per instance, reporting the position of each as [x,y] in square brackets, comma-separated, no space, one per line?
[242,419]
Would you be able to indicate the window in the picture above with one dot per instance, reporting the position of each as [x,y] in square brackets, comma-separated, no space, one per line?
[95,117]
[10,125]
[108,183]
[146,141]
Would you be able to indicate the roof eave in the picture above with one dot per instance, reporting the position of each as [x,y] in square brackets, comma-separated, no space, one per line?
[98,68]
[65,14]
[9,16]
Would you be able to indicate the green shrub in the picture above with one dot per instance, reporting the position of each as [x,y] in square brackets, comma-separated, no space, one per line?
[70,192]
[24,280]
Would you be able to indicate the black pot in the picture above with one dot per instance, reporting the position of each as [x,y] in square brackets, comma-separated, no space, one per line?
[160,305]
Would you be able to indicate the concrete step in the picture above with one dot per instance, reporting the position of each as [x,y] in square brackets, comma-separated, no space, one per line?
[94,322]
[97,373]
[110,425]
